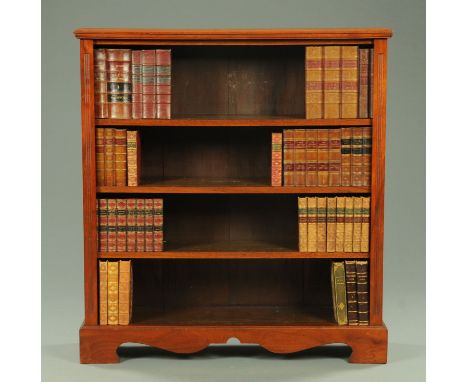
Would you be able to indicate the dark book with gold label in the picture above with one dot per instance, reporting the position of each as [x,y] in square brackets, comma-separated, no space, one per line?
[351,292]
[362,292]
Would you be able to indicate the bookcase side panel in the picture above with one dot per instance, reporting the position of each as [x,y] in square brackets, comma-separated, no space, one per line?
[378,181]
[89,182]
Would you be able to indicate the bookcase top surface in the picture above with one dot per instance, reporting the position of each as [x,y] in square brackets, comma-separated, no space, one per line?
[231,34]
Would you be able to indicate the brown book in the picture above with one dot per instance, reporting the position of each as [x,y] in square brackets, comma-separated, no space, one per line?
[331,224]
[302,208]
[349,81]
[158,220]
[365,224]
[148,82]
[351,292]
[311,157]
[102,292]
[120,157]
[109,160]
[276,159]
[131,224]
[163,83]
[357,224]
[299,157]
[124,291]
[100,162]
[314,82]
[137,88]
[346,135]
[113,292]
[149,223]
[362,292]
[338,277]
[133,158]
[119,83]
[334,157]
[356,157]
[321,224]
[340,224]
[364,82]
[366,156]
[121,225]
[331,81]
[348,224]
[322,157]
[102,225]
[288,157]
[100,84]
[112,225]
[140,225]
[371,81]
[312,224]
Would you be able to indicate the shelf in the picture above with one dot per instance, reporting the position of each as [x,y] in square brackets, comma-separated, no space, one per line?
[237,121]
[232,255]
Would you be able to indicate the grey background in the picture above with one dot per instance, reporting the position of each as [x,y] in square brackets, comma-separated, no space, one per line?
[62,246]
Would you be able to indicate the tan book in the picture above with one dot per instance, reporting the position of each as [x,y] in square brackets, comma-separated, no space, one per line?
[331,224]
[314,82]
[321,224]
[299,157]
[356,157]
[124,291]
[331,81]
[339,292]
[349,81]
[322,157]
[109,160]
[357,214]
[312,224]
[133,158]
[103,292]
[311,157]
[334,157]
[120,156]
[302,207]
[340,224]
[288,157]
[113,292]
[100,153]
[365,220]
[348,224]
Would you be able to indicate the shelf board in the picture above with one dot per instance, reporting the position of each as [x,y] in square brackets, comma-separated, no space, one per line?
[237,121]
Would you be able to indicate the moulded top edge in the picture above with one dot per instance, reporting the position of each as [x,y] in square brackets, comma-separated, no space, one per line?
[230,34]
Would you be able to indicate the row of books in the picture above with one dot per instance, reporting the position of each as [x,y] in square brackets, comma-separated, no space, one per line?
[115,292]
[334,224]
[338,81]
[350,292]
[117,157]
[132,83]
[322,157]
[130,225]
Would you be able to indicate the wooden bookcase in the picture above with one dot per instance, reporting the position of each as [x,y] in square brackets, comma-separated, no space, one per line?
[231,265]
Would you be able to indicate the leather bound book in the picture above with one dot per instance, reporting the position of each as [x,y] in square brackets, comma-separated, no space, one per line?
[120,157]
[137,90]
[331,224]
[124,291]
[334,157]
[149,222]
[140,225]
[312,224]
[331,82]
[321,224]
[299,157]
[364,82]
[351,292]
[366,156]
[133,158]
[163,83]
[148,80]
[346,135]
[100,163]
[365,224]
[109,160]
[356,157]
[131,225]
[311,157]
[371,81]
[100,84]
[121,225]
[112,225]
[362,292]
[322,157]
[349,81]
[357,224]
[340,223]
[338,277]
[314,82]
[119,83]
[112,292]
[288,157]
[348,224]
[158,220]
[302,208]
[102,225]
[102,292]
[276,159]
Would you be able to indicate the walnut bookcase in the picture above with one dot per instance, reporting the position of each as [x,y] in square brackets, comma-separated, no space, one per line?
[231,266]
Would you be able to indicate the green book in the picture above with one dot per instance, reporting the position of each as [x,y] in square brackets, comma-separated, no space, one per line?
[339,292]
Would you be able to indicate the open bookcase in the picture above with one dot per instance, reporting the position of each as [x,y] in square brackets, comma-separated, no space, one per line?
[230,264]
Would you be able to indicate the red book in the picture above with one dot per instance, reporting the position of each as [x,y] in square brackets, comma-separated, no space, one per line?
[334,157]
[299,157]
[346,136]
[311,157]
[131,225]
[288,157]
[163,83]
[140,225]
[137,90]
[119,83]
[366,155]
[276,159]
[149,222]
[112,225]
[322,157]
[121,225]
[102,225]
[158,224]
[148,80]
[356,157]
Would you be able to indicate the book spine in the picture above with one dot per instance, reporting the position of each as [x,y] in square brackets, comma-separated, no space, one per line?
[119,83]
[121,225]
[357,224]
[158,220]
[365,224]
[149,237]
[163,83]
[137,93]
[339,292]
[334,157]
[112,225]
[364,83]
[100,84]
[276,159]
[299,157]
[131,225]
[366,156]
[124,292]
[133,158]
[348,224]
[288,157]
[321,224]
[120,157]
[102,225]
[346,156]
[351,292]
[100,162]
[314,82]
[311,157]
[140,225]
[312,224]
[102,292]
[371,81]
[302,208]
[109,147]
[356,157]
[113,293]
[322,157]
[362,292]
[349,81]
[340,224]
[331,224]
[331,81]
[148,81]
